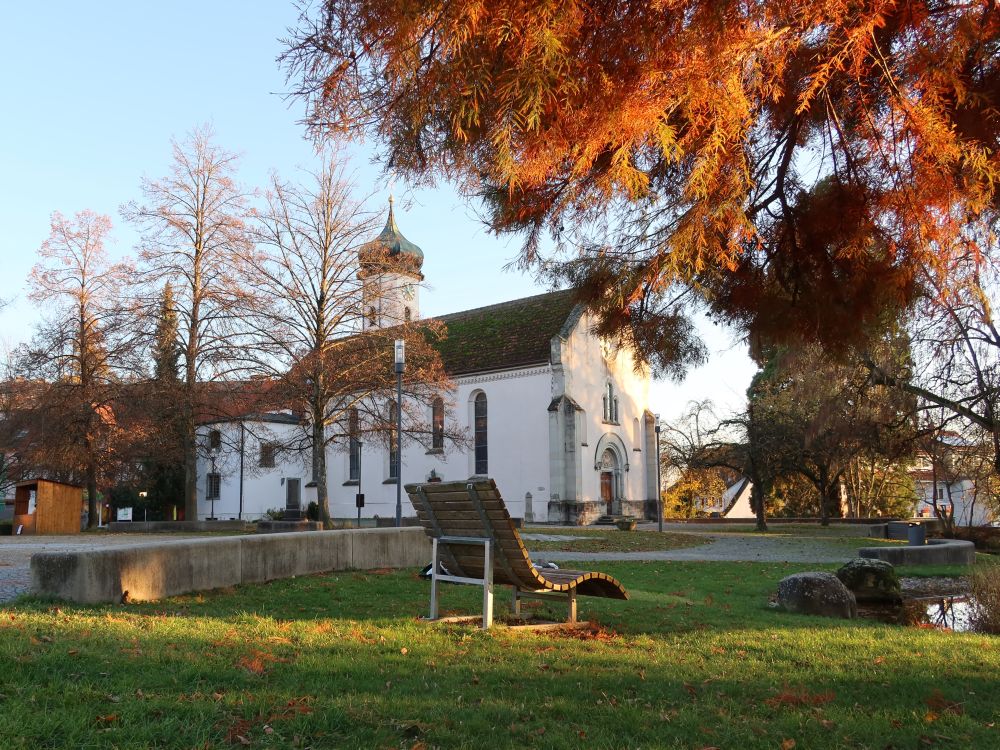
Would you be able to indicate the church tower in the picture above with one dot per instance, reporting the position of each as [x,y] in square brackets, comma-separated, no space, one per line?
[391,276]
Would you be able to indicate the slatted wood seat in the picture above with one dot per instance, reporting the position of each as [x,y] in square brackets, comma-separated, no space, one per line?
[462,516]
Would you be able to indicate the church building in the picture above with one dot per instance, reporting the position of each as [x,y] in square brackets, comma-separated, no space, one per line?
[558,417]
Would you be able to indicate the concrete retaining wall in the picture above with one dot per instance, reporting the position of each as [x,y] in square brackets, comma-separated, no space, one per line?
[935,552]
[154,571]
[172,526]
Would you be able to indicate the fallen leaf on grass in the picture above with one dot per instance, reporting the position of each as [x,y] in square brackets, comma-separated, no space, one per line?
[794,698]
[256,662]
[938,703]
[109,719]
[787,744]
[294,707]
[412,729]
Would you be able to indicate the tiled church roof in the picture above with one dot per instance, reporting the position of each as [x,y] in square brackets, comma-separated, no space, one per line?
[499,337]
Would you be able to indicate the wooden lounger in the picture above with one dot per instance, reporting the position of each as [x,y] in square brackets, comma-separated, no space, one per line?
[460,518]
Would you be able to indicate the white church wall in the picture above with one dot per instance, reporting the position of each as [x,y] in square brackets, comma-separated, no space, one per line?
[588,367]
[517,447]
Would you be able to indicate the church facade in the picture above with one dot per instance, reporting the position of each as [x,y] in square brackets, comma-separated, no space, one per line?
[556,416]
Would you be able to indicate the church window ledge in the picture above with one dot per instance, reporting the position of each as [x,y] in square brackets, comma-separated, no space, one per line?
[609,421]
[351,483]
[390,480]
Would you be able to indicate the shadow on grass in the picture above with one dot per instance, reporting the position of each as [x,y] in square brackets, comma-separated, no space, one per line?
[695,660]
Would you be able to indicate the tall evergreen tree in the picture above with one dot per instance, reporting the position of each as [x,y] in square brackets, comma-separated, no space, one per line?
[164,467]
[167,343]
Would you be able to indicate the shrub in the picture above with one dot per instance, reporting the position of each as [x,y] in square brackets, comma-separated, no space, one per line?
[312,511]
[986,600]
[275,514]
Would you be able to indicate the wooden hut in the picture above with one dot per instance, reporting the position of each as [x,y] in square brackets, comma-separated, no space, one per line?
[42,506]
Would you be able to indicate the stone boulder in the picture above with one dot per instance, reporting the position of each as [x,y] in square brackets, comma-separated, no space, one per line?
[871,580]
[816,594]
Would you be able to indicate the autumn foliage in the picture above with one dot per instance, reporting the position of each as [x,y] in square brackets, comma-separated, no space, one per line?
[796,162]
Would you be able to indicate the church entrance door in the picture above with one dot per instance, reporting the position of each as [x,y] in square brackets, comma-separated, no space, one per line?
[607,490]
[609,479]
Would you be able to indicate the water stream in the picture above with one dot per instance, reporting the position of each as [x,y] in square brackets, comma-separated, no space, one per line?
[942,603]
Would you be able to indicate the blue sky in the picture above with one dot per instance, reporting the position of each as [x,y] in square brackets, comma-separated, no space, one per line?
[93,92]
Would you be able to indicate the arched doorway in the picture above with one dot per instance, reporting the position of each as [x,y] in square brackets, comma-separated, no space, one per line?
[610,479]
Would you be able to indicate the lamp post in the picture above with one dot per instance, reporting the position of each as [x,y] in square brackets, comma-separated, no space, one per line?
[659,486]
[399,362]
[359,498]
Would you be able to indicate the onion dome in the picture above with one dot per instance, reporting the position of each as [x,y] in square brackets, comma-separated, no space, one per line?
[391,250]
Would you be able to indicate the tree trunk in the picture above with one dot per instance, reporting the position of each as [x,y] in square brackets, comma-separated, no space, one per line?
[93,506]
[190,393]
[319,468]
[824,499]
[757,501]
[190,473]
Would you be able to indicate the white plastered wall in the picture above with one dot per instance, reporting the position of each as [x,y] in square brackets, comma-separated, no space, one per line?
[586,368]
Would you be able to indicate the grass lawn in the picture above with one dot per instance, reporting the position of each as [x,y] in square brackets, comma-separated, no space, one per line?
[694,660]
[783,529]
[610,539]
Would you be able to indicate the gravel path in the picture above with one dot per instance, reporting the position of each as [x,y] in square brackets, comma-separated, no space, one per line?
[733,547]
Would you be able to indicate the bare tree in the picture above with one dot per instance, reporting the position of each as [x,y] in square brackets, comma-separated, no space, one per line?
[75,362]
[956,343]
[306,328]
[753,443]
[194,233]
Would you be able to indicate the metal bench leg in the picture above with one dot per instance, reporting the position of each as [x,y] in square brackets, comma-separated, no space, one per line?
[572,606]
[516,603]
[434,579]
[487,586]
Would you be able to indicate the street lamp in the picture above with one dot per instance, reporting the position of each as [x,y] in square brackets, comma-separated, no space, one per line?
[659,486]
[399,362]
[359,497]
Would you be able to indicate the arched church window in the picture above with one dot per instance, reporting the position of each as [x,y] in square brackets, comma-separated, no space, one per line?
[437,423]
[482,463]
[407,314]
[610,404]
[372,315]
[354,446]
